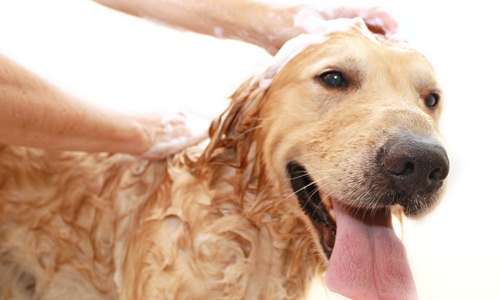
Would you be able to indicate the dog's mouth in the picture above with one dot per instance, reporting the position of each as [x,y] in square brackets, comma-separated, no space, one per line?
[366,259]
[310,201]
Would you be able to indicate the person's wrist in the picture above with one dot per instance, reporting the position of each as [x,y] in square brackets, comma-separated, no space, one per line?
[142,137]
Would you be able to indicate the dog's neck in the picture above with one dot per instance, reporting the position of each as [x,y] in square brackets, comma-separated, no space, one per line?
[283,258]
[281,248]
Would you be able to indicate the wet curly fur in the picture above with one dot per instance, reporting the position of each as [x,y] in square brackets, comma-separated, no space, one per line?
[222,223]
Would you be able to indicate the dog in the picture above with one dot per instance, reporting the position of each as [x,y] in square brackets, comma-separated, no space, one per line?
[299,178]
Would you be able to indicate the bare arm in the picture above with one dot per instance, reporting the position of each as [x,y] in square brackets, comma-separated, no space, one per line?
[34,113]
[250,21]
[254,22]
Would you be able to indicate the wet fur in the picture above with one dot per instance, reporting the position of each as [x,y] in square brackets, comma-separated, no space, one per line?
[222,223]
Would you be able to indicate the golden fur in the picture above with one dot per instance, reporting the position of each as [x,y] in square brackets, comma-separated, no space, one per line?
[220,224]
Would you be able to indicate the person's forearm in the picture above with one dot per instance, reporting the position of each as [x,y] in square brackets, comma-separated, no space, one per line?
[33,113]
[249,21]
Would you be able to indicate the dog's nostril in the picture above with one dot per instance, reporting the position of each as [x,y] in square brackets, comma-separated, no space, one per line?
[437,175]
[408,169]
[398,165]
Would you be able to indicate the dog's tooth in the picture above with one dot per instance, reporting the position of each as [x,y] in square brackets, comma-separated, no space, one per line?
[329,207]
[332,214]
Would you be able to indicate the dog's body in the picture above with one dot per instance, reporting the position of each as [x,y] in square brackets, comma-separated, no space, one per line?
[75,231]
[225,224]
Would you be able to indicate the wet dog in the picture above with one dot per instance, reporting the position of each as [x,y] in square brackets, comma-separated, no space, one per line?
[299,178]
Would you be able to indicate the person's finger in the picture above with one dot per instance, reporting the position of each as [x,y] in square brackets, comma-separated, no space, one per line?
[377,19]
[380,21]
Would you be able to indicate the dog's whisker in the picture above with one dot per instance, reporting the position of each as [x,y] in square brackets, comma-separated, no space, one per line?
[315,182]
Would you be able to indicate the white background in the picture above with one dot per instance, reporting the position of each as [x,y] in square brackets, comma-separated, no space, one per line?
[133,65]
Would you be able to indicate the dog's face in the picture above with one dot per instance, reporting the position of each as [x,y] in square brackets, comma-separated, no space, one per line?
[351,125]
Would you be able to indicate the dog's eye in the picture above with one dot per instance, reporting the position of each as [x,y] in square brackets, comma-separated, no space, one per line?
[432,100]
[334,79]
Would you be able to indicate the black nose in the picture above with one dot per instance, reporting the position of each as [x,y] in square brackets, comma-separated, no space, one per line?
[415,164]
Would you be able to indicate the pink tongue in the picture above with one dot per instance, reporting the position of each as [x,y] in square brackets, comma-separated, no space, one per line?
[368,261]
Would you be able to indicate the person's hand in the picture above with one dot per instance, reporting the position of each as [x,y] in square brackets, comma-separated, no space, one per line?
[315,18]
[377,19]
[172,133]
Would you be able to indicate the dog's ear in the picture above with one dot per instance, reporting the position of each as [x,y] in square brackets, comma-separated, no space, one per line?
[235,127]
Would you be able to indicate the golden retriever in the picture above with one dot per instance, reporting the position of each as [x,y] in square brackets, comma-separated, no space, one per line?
[299,178]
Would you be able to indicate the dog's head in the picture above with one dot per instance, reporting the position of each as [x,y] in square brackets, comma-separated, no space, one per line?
[348,123]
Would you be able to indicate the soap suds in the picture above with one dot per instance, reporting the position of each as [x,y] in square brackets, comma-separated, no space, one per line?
[317,31]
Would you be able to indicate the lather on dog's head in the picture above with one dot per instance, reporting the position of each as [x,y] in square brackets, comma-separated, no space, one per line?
[348,121]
